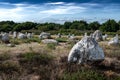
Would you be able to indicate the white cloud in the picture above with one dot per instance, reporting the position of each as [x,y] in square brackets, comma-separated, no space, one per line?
[23,11]
[64,10]
[53,11]
[11,14]
[55,3]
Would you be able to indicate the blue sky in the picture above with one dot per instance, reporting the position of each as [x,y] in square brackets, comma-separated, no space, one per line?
[59,11]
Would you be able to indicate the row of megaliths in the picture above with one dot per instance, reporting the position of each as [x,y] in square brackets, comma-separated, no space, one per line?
[88,49]
[5,37]
[22,35]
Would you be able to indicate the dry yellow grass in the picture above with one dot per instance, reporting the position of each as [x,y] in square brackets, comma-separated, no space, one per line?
[61,50]
[21,48]
[59,65]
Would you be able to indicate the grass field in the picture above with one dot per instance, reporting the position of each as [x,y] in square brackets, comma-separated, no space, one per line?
[34,60]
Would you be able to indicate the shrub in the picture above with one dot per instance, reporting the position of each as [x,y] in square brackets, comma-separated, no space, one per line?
[9,66]
[83,74]
[4,56]
[35,58]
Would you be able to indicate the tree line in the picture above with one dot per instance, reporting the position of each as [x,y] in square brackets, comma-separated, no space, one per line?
[108,26]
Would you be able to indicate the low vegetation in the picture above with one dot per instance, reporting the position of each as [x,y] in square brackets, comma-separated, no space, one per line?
[5,56]
[49,62]
[83,74]
[111,51]
[62,39]
[46,66]
[51,46]
[20,41]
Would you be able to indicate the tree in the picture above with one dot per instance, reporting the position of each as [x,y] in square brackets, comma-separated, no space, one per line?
[110,26]
[119,24]
[79,25]
[25,26]
[93,26]
[6,26]
[67,25]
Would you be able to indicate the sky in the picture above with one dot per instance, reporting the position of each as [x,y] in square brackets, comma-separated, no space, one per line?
[59,11]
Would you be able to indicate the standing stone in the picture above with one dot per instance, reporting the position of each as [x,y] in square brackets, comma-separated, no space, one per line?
[22,36]
[59,35]
[14,35]
[86,49]
[72,37]
[97,35]
[44,35]
[105,37]
[29,35]
[5,38]
[10,33]
[114,41]
[85,34]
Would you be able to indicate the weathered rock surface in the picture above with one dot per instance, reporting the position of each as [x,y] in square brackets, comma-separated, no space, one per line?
[22,36]
[5,38]
[114,41]
[72,37]
[29,35]
[14,34]
[46,41]
[105,36]
[44,35]
[98,35]
[86,49]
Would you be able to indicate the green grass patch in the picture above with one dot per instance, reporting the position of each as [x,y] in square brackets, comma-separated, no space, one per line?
[15,41]
[35,40]
[20,41]
[51,45]
[61,39]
